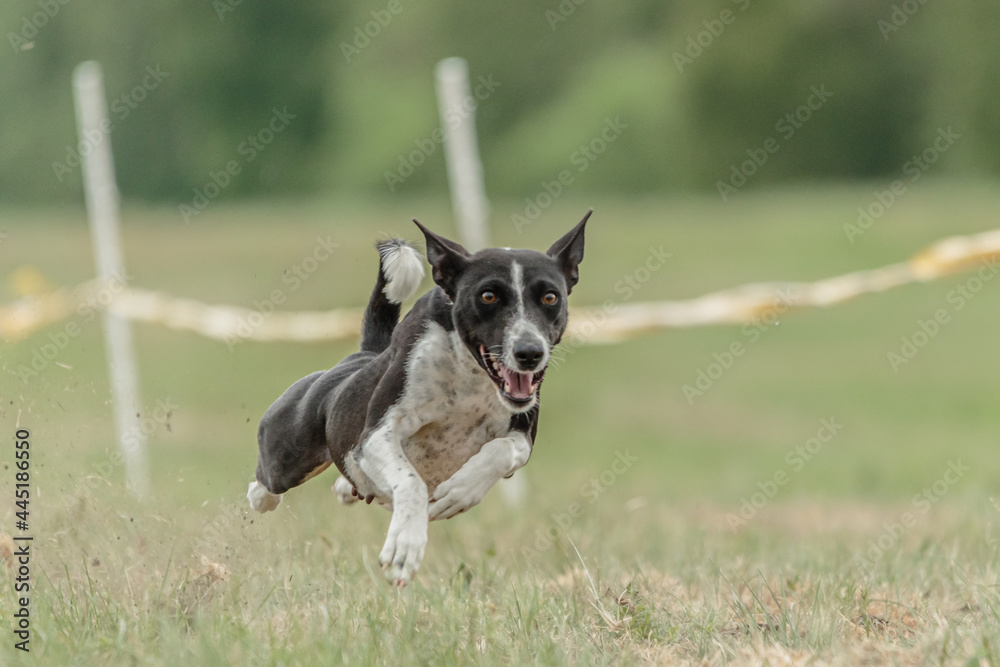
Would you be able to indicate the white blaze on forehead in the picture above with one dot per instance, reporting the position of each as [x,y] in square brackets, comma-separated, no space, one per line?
[517,279]
[520,325]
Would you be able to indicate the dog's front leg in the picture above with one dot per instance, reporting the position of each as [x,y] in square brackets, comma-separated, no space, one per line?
[467,487]
[383,461]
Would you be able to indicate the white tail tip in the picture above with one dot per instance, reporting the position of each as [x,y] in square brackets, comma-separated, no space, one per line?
[403,269]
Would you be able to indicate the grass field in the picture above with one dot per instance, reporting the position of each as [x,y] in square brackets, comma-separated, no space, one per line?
[814,505]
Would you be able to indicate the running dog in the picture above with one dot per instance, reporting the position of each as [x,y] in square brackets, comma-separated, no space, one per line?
[433,410]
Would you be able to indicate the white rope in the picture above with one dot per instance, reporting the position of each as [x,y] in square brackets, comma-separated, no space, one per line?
[592,325]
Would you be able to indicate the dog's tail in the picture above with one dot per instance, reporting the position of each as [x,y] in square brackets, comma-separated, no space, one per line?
[399,275]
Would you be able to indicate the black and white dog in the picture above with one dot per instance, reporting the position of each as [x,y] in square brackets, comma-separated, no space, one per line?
[430,414]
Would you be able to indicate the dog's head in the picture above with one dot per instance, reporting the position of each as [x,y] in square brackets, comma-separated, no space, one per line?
[509,306]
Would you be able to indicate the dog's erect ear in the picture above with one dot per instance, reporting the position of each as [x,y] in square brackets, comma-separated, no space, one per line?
[568,251]
[447,259]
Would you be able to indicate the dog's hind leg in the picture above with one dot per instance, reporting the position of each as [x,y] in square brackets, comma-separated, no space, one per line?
[278,474]
[281,467]
[261,499]
[345,491]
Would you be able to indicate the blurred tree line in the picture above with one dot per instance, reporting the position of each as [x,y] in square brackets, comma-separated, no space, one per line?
[696,89]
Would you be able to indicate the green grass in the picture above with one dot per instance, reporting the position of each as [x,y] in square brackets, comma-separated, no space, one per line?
[189,577]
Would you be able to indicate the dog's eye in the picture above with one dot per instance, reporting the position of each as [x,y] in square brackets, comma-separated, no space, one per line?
[550,299]
[488,297]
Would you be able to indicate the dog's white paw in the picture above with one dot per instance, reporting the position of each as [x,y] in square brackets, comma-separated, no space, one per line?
[403,550]
[458,493]
[345,491]
[261,499]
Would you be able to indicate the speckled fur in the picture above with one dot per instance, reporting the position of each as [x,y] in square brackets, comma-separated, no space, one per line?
[448,410]
[417,418]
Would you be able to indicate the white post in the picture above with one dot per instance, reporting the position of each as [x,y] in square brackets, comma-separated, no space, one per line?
[465,178]
[102,209]
[461,150]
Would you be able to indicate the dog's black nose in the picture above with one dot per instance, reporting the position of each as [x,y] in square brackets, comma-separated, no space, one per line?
[528,354]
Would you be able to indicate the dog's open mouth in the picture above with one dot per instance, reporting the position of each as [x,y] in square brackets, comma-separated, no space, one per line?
[515,387]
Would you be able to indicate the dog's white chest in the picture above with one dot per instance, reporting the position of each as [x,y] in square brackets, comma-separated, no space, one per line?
[449,407]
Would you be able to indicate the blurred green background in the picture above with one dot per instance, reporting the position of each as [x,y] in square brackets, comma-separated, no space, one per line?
[681,91]
[697,84]
[900,426]
[813,116]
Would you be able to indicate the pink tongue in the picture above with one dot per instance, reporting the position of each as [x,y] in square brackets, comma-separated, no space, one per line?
[520,383]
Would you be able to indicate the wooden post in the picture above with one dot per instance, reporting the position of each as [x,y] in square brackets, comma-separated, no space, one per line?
[93,128]
[461,150]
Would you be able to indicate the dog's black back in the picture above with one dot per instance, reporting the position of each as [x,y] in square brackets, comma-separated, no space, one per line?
[294,441]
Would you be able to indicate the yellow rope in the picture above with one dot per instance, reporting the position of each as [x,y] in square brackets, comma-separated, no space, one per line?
[589,325]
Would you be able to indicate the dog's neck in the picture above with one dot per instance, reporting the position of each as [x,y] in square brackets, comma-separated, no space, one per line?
[463,355]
